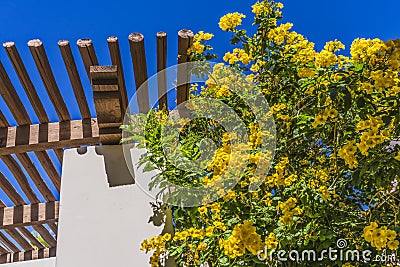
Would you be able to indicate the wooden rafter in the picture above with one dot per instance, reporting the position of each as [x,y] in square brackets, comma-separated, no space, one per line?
[28,255]
[44,233]
[185,40]
[161,65]
[27,215]
[138,54]
[88,54]
[39,137]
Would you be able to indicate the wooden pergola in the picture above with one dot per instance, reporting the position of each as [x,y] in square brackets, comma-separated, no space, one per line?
[17,243]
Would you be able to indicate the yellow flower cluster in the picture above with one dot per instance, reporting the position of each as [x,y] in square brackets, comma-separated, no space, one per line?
[373,137]
[325,59]
[324,116]
[347,153]
[380,237]
[305,73]
[158,243]
[279,178]
[334,46]
[198,46]
[280,34]
[244,236]
[271,241]
[231,21]
[323,190]
[321,176]
[289,210]
[203,36]
[238,55]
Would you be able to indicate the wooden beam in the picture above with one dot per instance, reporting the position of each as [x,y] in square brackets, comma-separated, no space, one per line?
[107,102]
[185,40]
[88,54]
[29,215]
[44,233]
[26,81]
[31,237]
[8,243]
[54,227]
[19,239]
[35,176]
[74,77]
[12,99]
[49,168]
[39,137]
[162,65]
[116,60]
[17,172]
[60,153]
[42,253]
[43,65]
[9,189]
[138,54]
[3,250]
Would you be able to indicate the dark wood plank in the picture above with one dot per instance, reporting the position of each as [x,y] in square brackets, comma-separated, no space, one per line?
[31,237]
[8,243]
[42,253]
[185,40]
[53,227]
[88,54]
[162,65]
[19,239]
[35,176]
[26,81]
[19,175]
[60,152]
[43,65]
[74,78]
[47,136]
[44,233]
[3,250]
[138,54]
[28,215]
[49,167]
[116,59]
[12,194]
[12,99]
[107,102]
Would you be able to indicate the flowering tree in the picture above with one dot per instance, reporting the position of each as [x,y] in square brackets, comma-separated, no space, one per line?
[336,166]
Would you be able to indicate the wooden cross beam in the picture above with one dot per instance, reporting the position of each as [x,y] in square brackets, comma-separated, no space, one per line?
[29,215]
[39,137]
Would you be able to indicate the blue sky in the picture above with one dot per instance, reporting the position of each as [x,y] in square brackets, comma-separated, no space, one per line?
[51,21]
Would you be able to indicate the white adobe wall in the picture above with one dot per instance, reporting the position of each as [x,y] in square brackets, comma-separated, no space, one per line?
[101,226]
[35,263]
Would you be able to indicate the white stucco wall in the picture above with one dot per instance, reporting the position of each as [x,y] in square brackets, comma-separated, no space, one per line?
[98,225]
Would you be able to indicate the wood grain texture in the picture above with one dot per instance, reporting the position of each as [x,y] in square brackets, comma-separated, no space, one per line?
[25,80]
[9,189]
[39,55]
[116,59]
[161,38]
[138,55]
[185,40]
[88,54]
[28,215]
[47,136]
[74,78]
[42,253]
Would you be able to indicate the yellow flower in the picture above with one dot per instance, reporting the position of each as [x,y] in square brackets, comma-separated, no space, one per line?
[201,35]
[202,210]
[398,156]
[231,21]
[196,47]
